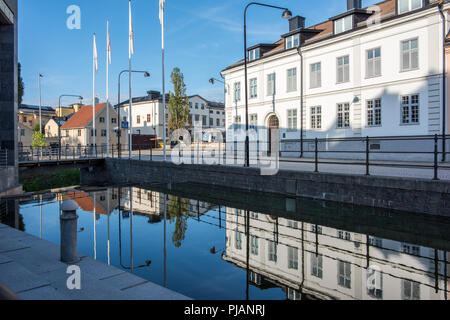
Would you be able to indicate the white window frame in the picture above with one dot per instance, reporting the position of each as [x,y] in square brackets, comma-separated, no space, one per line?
[411,53]
[410,106]
[317,265]
[237,92]
[316,118]
[315,76]
[253,54]
[410,8]
[341,25]
[238,240]
[345,115]
[373,62]
[344,68]
[272,251]
[292,119]
[374,112]
[293,41]
[345,278]
[254,245]
[291,80]
[271,84]
[292,258]
[253,121]
[253,88]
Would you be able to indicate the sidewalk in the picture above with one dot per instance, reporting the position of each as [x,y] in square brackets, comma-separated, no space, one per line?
[31,268]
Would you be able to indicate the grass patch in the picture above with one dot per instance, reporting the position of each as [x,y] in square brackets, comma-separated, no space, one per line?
[51,180]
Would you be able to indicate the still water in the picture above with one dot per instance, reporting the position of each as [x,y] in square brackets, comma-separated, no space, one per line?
[209,244]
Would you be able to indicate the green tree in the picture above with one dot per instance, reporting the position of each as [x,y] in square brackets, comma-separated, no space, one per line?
[38,140]
[178,210]
[21,86]
[179,113]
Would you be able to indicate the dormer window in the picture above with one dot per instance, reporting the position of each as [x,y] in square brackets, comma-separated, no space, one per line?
[343,24]
[292,41]
[253,54]
[408,5]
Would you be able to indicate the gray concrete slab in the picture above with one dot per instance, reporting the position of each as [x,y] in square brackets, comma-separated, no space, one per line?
[20,279]
[31,267]
[98,270]
[124,281]
[4,259]
[151,291]
[43,293]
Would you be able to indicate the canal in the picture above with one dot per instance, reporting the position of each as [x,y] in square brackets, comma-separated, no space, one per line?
[218,244]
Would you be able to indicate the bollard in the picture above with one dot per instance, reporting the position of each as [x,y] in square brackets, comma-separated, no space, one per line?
[68,222]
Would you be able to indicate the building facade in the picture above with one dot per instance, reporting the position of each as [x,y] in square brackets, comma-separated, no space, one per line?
[29,115]
[148,113]
[375,71]
[78,130]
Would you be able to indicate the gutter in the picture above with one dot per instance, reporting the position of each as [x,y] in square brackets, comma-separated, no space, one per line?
[444,87]
[300,53]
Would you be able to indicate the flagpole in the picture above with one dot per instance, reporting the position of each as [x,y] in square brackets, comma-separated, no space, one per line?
[130,119]
[161,18]
[93,95]
[107,89]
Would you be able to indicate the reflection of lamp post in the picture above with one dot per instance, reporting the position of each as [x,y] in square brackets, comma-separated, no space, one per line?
[286,15]
[119,125]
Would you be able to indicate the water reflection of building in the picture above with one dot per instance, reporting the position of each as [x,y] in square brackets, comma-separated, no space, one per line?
[310,261]
[145,202]
[100,202]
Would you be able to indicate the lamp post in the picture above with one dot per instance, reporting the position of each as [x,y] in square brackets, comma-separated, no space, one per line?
[60,117]
[286,15]
[119,122]
[40,104]
[226,87]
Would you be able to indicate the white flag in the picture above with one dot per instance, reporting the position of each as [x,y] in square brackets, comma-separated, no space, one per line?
[95,55]
[161,18]
[109,45]
[131,42]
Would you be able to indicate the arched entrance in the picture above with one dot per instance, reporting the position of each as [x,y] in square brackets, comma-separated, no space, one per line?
[273,127]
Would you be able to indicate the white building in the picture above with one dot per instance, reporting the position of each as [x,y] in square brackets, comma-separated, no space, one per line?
[375,72]
[148,118]
[321,262]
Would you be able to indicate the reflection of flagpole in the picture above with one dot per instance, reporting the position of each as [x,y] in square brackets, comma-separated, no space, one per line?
[131,228]
[40,205]
[95,231]
[161,19]
[165,242]
[109,238]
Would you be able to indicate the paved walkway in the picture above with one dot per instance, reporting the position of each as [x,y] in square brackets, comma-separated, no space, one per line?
[377,168]
[31,268]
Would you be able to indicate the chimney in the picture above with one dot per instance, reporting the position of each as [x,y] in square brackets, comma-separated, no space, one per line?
[154,94]
[354,4]
[296,23]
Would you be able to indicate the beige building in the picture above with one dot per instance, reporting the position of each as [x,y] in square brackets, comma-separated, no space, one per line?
[78,130]
[24,135]
[29,115]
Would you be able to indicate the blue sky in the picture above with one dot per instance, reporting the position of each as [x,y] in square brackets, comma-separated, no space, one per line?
[202,38]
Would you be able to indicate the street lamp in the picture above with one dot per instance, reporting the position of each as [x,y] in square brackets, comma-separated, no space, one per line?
[60,116]
[226,87]
[119,126]
[286,15]
[40,104]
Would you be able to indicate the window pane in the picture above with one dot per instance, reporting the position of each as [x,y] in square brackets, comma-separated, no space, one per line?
[403,6]
[416,4]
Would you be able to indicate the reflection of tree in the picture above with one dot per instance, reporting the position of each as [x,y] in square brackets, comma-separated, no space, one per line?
[178,210]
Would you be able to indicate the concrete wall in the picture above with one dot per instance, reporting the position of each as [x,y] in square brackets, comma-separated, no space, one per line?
[414,195]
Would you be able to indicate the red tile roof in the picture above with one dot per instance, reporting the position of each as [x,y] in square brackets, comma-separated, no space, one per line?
[82,117]
[85,202]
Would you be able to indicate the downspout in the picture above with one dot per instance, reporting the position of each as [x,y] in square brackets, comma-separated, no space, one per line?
[300,53]
[444,87]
